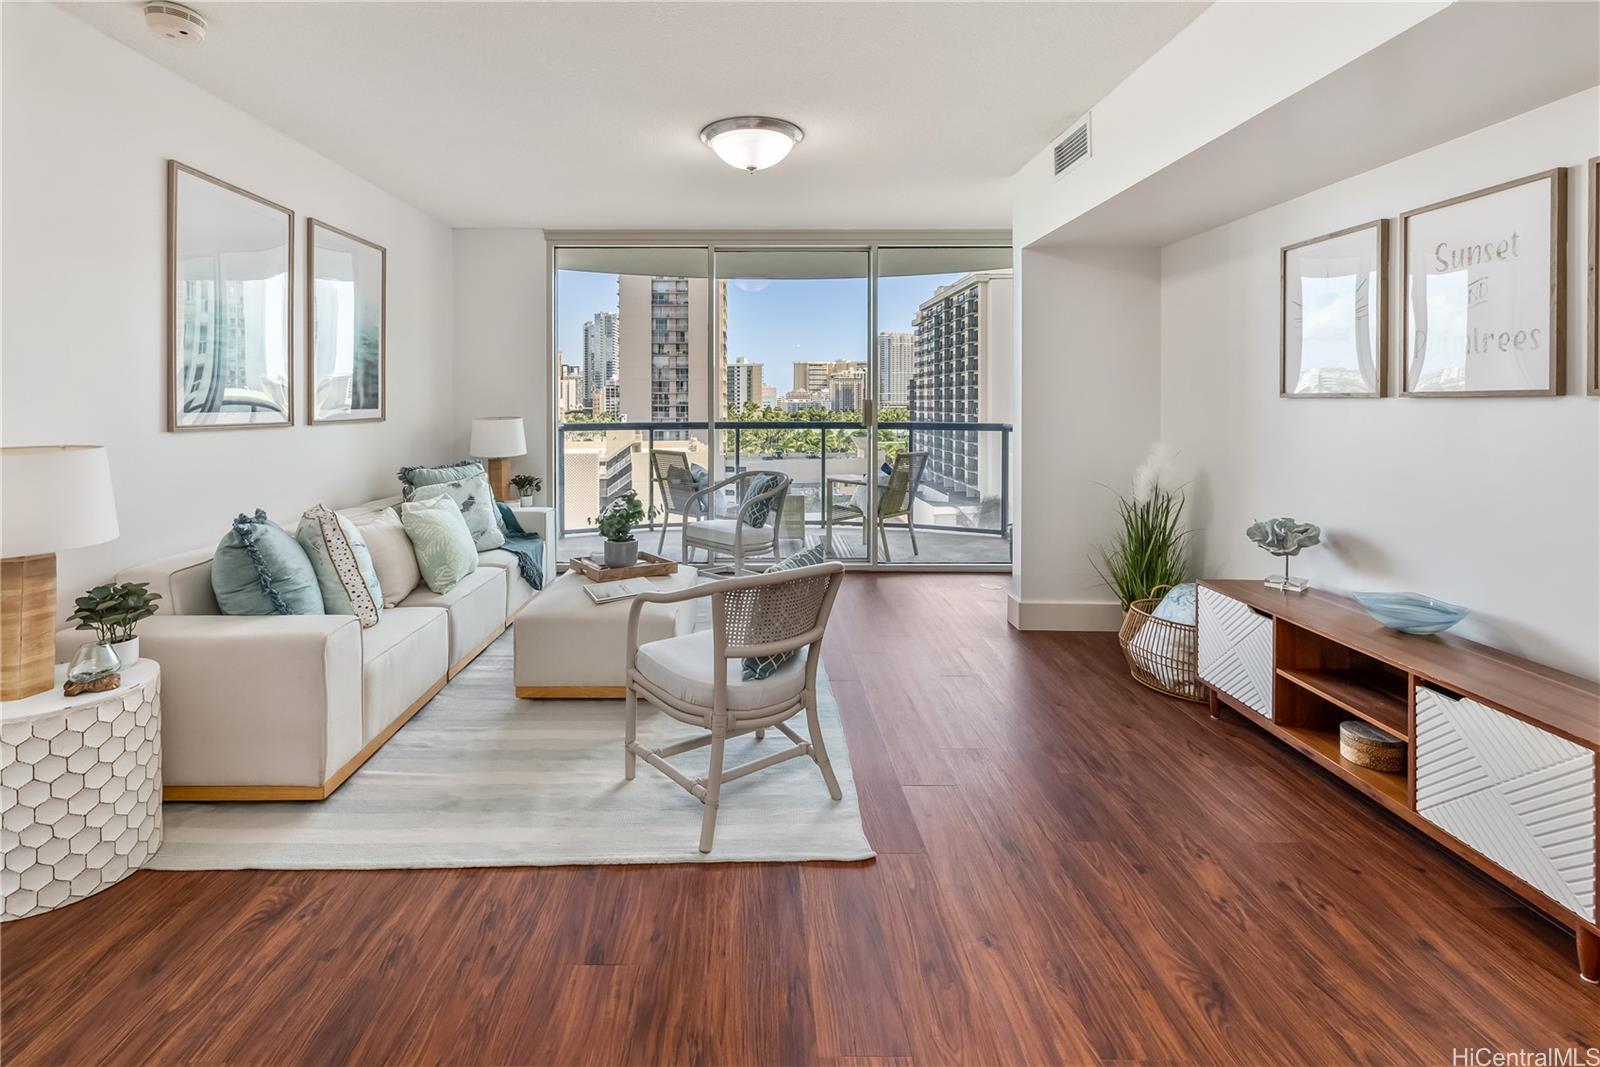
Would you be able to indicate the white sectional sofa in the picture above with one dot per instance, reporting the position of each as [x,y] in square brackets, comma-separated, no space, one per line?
[286,707]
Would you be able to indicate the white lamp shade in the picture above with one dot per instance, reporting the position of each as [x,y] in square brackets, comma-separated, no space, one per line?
[498,437]
[54,497]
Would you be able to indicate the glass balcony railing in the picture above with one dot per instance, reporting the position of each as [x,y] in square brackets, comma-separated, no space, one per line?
[959,514]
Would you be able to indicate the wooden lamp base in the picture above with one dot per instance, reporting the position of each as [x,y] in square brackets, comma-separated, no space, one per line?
[500,479]
[27,625]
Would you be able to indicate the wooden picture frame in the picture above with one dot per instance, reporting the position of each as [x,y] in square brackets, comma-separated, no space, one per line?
[1501,249]
[1374,385]
[1594,277]
[352,413]
[182,415]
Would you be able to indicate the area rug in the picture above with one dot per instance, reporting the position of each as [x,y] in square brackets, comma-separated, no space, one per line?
[481,779]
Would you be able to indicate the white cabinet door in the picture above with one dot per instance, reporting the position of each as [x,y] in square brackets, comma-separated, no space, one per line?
[1235,650]
[1523,797]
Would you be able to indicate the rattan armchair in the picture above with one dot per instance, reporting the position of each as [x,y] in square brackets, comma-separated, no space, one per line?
[698,680]
[734,535]
[896,498]
[676,490]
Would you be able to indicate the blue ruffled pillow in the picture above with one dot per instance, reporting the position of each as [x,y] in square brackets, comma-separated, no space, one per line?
[260,569]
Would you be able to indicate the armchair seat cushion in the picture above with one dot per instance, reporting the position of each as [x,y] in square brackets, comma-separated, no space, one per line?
[681,667]
[722,531]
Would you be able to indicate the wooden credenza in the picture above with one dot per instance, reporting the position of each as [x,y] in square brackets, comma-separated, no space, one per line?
[1503,754]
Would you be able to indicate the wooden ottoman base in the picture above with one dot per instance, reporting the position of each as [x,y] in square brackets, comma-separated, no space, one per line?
[570,692]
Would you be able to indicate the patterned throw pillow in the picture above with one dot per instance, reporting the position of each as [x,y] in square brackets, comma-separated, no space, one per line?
[757,515]
[445,552]
[260,569]
[417,477]
[756,667]
[343,565]
[473,496]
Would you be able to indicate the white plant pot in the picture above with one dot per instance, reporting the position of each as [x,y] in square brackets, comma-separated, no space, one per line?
[127,651]
[526,502]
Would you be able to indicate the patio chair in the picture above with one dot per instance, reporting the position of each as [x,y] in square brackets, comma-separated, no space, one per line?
[698,679]
[675,488]
[895,499]
[751,532]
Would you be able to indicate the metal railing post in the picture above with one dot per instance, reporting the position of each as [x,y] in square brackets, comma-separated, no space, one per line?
[650,472]
[1005,484]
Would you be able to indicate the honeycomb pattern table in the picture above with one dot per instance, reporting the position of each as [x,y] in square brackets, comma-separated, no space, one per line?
[80,790]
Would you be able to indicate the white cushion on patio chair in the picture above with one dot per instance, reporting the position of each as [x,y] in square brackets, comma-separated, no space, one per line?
[721,531]
[681,668]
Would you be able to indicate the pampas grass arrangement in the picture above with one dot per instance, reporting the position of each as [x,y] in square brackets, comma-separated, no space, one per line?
[1152,548]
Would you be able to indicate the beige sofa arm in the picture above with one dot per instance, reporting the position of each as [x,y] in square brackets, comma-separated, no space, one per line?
[541,521]
[256,700]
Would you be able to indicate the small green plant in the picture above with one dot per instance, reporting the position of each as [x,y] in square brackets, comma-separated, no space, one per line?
[1151,548]
[526,484]
[113,612]
[617,521]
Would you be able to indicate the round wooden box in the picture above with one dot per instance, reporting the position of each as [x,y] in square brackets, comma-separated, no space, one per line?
[1367,746]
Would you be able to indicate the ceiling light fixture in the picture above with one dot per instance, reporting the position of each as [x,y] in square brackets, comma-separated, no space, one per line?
[751,142]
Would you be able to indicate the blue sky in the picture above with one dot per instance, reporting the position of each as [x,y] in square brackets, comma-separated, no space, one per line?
[769,322]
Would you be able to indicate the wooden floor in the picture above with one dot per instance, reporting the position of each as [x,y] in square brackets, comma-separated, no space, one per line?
[1071,870]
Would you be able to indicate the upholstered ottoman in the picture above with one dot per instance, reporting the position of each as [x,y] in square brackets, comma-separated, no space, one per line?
[570,648]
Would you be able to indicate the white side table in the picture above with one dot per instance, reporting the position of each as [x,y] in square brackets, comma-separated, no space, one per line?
[80,790]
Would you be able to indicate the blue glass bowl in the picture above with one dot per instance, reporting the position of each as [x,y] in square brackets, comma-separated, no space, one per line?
[1411,613]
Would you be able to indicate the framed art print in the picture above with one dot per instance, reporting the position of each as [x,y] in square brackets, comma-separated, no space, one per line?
[230,309]
[346,299]
[1484,300]
[1333,312]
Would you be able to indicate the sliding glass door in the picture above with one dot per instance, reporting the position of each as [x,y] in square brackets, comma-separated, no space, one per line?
[877,378]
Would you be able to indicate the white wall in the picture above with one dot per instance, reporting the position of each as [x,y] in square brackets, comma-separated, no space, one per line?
[89,126]
[1089,395]
[1491,503]
[502,348]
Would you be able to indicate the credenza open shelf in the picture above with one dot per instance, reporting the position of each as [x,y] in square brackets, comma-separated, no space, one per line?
[1501,753]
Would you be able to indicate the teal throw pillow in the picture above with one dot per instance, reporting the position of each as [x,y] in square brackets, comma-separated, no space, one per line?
[761,483]
[259,569]
[343,564]
[417,477]
[438,532]
[476,503]
[756,667]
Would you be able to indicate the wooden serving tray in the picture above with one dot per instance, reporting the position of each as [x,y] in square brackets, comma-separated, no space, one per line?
[650,565]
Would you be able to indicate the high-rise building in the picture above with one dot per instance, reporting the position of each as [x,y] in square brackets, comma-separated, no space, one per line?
[745,385]
[896,358]
[570,390]
[662,342]
[606,400]
[810,377]
[600,341]
[847,386]
[962,373]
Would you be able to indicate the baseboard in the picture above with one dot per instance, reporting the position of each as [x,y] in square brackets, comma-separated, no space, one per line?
[571,692]
[304,792]
[1088,615]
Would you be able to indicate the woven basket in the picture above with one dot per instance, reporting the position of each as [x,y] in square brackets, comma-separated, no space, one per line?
[1160,652]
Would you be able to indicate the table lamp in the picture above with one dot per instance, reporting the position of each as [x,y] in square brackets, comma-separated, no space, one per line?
[52,497]
[496,438]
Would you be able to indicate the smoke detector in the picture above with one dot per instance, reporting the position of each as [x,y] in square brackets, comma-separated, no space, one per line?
[178,24]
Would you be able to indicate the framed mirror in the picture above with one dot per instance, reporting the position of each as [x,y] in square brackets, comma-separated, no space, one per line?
[1333,313]
[346,291]
[230,314]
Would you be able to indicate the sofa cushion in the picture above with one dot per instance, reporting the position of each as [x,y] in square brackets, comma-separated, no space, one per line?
[402,657]
[183,580]
[260,569]
[477,610]
[443,545]
[518,591]
[476,501]
[393,558]
[343,565]
[681,667]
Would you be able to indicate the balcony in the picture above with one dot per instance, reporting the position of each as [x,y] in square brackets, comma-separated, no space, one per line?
[962,515]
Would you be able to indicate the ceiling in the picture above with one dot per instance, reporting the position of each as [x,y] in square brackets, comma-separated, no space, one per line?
[575,116]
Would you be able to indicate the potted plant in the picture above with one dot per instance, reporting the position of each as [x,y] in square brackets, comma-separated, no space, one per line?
[1151,548]
[114,612]
[526,485]
[616,525]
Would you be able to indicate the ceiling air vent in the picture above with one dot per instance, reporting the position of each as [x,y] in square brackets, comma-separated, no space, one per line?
[1073,148]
